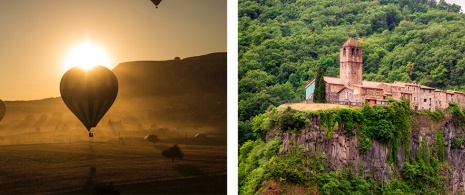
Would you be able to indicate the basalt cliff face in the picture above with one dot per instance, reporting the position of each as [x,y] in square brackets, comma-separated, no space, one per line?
[343,151]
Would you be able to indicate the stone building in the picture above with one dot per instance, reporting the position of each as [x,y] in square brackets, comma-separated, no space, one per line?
[351,89]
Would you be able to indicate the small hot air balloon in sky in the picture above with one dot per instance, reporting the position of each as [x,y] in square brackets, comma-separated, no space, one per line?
[89,93]
[156,2]
[2,109]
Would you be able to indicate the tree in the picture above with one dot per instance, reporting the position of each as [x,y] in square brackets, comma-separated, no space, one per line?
[173,152]
[152,138]
[320,89]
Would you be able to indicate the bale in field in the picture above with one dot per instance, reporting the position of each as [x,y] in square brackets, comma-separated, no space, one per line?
[152,138]
[201,136]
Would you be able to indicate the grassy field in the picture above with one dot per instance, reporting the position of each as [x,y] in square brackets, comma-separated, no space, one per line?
[303,106]
[133,166]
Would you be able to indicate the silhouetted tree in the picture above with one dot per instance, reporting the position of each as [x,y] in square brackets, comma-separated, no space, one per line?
[320,89]
[173,152]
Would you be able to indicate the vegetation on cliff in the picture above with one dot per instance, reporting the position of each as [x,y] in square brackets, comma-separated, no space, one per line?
[424,170]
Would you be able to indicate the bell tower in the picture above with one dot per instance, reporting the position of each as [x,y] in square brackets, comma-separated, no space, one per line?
[350,59]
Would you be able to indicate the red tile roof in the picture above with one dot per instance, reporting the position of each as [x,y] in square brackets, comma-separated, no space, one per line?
[333,80]
[371,84]
[426,87]
[350,43]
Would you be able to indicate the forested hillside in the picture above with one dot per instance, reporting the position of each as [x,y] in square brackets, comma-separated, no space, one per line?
[282,42]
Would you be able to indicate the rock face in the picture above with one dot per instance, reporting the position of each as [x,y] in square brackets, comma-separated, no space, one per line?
[342,151]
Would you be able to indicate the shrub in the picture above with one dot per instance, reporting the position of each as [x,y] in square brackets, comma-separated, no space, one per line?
[291,119]
[456,142]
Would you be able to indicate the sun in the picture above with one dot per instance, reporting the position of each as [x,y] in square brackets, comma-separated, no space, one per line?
[86,55]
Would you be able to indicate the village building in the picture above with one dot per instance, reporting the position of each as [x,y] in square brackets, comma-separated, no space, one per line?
[351,89]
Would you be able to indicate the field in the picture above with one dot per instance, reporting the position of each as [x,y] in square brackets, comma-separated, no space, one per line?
[133,166]
[303,106]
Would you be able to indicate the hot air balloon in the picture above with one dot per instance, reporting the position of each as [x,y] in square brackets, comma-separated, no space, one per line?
[156,2]
[89,94]
[2,109]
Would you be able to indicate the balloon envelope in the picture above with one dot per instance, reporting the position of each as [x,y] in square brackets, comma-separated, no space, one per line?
[89,94]
[156,2]
[2,109]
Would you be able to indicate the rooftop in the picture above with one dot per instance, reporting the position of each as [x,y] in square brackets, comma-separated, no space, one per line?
[350,43]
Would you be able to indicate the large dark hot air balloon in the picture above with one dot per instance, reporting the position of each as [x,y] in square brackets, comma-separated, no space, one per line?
[156,2]
[89,94]
[2,109]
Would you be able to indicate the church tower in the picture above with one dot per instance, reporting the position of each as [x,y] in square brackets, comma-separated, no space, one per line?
[350,57]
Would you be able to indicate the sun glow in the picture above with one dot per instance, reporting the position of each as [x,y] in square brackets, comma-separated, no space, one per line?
[86,56]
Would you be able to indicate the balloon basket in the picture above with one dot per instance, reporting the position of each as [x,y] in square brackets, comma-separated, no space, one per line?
[91,134]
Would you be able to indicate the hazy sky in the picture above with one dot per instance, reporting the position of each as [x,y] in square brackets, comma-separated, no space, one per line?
[458,2]
[36,36]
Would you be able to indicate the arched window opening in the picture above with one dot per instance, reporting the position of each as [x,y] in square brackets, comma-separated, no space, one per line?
[344,52]
[356,52]
[353,51]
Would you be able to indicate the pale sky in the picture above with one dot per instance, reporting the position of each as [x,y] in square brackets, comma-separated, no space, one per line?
[36,36]
[458,2]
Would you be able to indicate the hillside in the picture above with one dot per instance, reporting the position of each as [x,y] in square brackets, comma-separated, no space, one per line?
[191,90]
[169,98]
[281,44]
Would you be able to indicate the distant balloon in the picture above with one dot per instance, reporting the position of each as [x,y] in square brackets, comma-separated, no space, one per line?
[89,94]
[2,109]
[156,2]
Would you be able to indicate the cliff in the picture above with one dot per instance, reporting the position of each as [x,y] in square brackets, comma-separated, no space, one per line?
[386,149]
[342,151]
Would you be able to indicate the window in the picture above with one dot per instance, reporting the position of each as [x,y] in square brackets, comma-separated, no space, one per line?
[356,52]
[415,98]
[414,89]
[377,93]
[371,92]
[408,88]
[353,51]
[424,100]
[344,52]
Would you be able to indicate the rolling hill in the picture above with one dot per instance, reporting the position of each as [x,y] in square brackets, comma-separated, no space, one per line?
[156,96]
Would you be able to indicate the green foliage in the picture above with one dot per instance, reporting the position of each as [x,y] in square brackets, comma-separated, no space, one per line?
[344,183]
[289,167]
[457,113]
[245,132]
[435,116]
[291,119]
[253,159]
[349,117]
[328,120]
[440,145]
[422,174]
[260,125]
[456,142]
[320,88]
[422,177]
